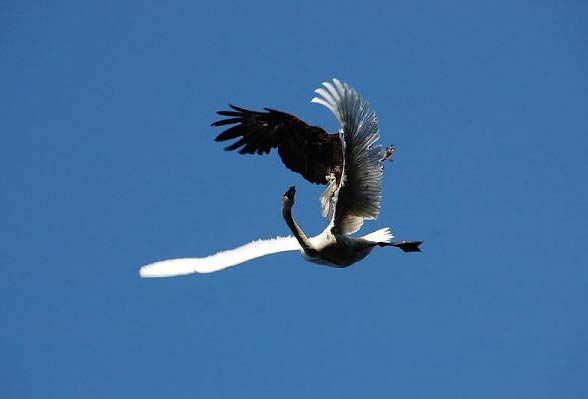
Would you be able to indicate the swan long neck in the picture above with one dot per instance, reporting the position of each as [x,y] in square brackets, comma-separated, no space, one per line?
[297,231]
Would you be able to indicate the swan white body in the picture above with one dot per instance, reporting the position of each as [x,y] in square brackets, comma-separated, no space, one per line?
[346,205]
[236,256]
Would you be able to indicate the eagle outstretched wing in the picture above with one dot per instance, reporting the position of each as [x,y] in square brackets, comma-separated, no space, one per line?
[304,149]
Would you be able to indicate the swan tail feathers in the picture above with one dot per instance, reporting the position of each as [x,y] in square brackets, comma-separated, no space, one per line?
[382,236]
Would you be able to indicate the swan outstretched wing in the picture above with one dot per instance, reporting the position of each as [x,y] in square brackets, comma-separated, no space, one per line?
[359,194]
[220,260]
[304,149]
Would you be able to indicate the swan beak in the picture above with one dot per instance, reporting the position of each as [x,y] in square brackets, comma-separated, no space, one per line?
[290,193]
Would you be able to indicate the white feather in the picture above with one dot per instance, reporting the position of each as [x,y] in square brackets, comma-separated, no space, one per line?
[326,199]
[359,194]
[332,90]
[325,94]
[323,103]
[382,235]
[220,260]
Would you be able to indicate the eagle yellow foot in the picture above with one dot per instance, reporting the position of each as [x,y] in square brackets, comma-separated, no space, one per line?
[389,153]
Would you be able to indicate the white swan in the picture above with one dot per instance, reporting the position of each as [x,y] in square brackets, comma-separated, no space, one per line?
[354,193]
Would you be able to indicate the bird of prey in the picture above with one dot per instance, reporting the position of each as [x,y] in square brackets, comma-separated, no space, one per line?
[349,161]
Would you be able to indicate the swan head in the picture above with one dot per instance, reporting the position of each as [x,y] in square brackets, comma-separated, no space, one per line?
[288,198]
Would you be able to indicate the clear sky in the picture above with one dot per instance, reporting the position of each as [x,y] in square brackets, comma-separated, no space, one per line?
[108,162]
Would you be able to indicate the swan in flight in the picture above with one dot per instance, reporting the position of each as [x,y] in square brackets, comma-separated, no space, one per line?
[348,161]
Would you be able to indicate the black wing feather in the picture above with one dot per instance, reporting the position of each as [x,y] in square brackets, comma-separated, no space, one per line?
[304,149]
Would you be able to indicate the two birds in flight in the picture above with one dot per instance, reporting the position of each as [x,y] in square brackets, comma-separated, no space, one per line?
[349,162]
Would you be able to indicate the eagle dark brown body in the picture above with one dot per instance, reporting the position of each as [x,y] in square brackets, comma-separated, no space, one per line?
[305,149]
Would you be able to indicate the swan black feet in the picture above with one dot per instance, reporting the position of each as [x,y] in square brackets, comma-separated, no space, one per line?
[408,246]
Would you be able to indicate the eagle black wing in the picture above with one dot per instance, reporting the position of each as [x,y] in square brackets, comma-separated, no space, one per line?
[304,149]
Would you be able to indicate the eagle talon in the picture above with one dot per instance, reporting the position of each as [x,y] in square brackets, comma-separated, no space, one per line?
[389,153]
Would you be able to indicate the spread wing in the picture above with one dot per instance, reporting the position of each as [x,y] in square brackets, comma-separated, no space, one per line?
[304,149]
[220,260]
[359,194]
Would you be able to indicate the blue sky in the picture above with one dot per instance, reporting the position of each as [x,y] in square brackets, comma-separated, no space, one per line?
[108,162]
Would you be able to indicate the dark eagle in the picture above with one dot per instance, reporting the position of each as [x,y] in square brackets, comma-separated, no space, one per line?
[305,149]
